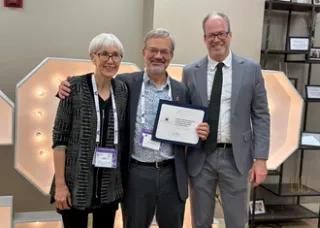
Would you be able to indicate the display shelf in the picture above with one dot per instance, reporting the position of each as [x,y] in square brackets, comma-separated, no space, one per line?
[285,212]
[283,52]
[303,147]
[273,173]
[303,61]
[311,100]
[313,61]
[291,189]
[277,213]
[293,6]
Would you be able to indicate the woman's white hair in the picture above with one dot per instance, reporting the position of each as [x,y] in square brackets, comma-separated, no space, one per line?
[105,40]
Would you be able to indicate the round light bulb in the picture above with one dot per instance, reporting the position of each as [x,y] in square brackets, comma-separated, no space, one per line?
[41,93]
[38,134]
[38,113]
[42,153]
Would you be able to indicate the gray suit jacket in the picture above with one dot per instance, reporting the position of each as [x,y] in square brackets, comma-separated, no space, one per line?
[250,120]
[179,92]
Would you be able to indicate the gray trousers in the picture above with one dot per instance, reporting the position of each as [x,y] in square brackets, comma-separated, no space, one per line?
[152,191]
[219,169]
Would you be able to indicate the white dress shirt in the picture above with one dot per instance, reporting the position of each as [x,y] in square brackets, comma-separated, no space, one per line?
[224,128]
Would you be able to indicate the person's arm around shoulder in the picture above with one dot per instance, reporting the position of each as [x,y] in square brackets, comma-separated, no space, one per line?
[261,128]
[61,133]
[64,89]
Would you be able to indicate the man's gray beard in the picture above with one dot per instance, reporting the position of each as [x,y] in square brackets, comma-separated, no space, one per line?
[157,71]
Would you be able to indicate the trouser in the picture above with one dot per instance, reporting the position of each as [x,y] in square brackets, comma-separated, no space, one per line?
[219,169]
[102,217]
[150,191]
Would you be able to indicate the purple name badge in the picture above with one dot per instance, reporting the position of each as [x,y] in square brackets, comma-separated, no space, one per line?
[147,142]
[106,157]
[144,134]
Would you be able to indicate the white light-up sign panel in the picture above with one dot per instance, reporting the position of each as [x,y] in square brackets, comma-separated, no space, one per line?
[36,110]
[6,120]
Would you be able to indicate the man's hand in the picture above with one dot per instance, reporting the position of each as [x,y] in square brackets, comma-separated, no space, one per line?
[64,89]
[259,172]
[203,130]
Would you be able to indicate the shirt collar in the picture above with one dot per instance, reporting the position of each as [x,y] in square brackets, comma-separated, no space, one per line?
[147,80]
[227,61]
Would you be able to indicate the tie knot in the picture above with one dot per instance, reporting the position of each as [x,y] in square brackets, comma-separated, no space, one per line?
[220,65]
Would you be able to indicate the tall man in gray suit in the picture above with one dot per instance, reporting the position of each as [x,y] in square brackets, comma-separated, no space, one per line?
[232,87]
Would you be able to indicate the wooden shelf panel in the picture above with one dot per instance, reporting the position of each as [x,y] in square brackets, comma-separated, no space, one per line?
[288,189]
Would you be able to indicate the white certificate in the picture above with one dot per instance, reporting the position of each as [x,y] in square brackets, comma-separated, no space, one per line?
[177,123]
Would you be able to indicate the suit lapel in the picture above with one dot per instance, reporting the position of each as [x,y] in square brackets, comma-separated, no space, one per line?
[237,75]
[134,100]
[201,79]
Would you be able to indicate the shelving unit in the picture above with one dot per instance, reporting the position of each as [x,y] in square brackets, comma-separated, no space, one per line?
[277,213]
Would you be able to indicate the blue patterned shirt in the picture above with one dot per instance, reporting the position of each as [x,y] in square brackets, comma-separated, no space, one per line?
[152,97]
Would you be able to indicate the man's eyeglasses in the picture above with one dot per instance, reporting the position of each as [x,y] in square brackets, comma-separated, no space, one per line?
[220,35]
[105,56]
[155,51]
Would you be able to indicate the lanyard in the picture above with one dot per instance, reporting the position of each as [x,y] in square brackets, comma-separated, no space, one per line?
[96,101]
[143,93]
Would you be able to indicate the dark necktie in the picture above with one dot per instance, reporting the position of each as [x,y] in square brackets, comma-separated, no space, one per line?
[214,111]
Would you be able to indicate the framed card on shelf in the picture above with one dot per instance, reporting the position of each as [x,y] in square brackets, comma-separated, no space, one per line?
[316,2]
[298,43]
[303,1]
[313,92]
[310,139]
[259,207]
[314,53]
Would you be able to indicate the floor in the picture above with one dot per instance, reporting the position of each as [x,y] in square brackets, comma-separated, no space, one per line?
[308,223]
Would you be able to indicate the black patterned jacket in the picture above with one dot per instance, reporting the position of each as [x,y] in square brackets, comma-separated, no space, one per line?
[75,125]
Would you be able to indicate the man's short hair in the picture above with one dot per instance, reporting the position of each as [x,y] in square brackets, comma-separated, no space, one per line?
[159,33]
[215,14]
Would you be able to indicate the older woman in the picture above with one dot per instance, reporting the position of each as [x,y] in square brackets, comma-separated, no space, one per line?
[88,135]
